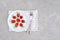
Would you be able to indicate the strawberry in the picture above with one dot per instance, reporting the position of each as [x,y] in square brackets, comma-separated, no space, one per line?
[23,21]
[13,21]
[14,17]
[21,25]
[16,25]
[18,20]
[21,17]
[18,14]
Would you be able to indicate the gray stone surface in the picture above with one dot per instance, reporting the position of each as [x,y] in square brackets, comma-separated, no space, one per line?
[49,19]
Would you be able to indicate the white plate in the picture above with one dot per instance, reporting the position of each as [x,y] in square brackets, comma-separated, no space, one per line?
[25,15]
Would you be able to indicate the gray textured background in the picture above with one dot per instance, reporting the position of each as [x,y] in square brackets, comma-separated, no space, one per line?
[49,19]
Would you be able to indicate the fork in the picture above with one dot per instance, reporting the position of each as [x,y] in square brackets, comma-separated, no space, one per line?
[31,17]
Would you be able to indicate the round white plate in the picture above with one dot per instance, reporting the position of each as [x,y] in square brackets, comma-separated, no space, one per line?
[18,29]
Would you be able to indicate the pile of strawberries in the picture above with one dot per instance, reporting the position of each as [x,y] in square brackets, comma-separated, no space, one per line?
[18,20]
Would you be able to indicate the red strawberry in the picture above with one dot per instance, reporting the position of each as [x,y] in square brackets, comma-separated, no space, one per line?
[22,21]
[18,14]
[18,20]
[21,25]
[14,17]
[21,17]
[16,25]
[13,21]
